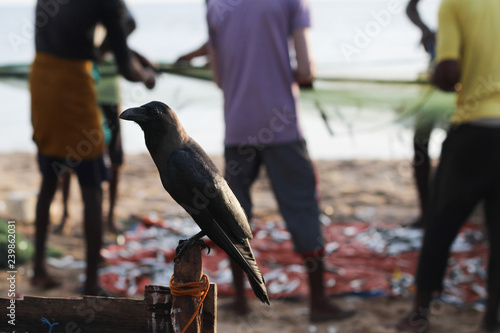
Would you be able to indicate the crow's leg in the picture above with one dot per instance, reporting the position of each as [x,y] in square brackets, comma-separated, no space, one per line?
[186,244]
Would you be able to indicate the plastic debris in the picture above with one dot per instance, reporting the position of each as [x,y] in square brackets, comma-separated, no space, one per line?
[325,219]
[332,329]
[365,214]
[67,262]
[312,329]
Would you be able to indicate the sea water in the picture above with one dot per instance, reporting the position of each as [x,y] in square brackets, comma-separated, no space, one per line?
[350,38]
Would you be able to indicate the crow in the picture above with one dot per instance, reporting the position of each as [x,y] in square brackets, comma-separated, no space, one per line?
[193,181]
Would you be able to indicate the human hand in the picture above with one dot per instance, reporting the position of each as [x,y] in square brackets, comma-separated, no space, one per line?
[139,73]
[146,63]
[305,82]
[149,78]
[446,75]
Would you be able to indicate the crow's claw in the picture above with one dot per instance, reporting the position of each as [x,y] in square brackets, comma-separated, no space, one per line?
[203,245]
[181,250]
[185,245]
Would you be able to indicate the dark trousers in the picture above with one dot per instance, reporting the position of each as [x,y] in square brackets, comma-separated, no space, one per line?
[422,160]
[292,177]
[468,172]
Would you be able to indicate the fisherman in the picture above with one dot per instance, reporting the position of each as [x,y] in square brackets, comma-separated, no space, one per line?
[250,61]
[468,53]
[108,98]
[65,116]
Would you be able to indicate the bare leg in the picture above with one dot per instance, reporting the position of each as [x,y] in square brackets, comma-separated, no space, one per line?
[45,197]
[321,308]
[113,192]
[65,186]
[92,216]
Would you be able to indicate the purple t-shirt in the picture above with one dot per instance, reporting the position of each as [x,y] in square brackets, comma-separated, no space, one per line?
[251,38]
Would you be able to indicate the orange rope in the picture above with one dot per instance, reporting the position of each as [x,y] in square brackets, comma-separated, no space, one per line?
[193,289]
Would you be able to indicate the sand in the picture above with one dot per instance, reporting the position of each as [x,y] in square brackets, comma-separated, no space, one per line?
[371,190]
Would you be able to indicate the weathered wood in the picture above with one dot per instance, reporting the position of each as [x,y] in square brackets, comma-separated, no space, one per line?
[112,314]
[158,301]
[187,269]
[76,315]
[209,311]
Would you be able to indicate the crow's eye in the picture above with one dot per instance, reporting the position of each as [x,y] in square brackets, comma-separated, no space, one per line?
[156,113]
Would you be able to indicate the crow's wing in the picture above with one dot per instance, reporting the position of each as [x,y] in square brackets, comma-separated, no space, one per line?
[193,181]
[197,186]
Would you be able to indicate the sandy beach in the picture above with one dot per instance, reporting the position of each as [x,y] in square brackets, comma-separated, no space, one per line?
[368,190]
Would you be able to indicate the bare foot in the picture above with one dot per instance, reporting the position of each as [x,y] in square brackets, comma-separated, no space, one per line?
[45,282]
[413,323]
[328,311]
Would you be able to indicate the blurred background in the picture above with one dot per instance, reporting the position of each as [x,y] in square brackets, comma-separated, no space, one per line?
[363,127]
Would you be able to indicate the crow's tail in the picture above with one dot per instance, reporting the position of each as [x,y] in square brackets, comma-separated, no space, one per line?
[241,252]
[247,262]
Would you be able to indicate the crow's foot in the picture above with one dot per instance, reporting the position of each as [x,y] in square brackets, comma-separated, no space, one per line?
[186,244]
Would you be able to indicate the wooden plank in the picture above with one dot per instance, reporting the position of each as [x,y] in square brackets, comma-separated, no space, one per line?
[76,315]
[158,301]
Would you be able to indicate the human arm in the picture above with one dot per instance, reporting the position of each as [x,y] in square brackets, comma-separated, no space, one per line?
[449,44]
[305,67]
[212,54]
[114,18]
[129,25]
[199,52]
[145,62]
[428,36]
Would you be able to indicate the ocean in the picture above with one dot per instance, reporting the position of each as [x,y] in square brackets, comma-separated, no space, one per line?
[350,38]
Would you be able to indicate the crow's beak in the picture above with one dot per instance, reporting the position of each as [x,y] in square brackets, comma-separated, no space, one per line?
[136,114]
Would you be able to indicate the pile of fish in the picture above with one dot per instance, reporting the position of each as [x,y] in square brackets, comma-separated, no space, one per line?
[363,259]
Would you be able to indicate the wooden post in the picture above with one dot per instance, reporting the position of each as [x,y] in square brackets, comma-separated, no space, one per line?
[209,310]
[183,307]
[158,301]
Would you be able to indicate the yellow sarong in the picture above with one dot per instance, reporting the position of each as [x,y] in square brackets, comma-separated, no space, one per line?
[64,113]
